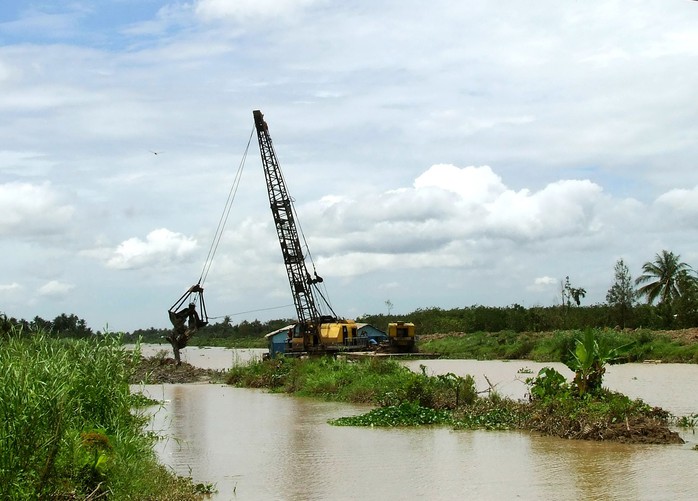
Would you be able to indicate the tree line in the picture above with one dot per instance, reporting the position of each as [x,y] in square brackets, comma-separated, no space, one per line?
[62,326]
[664,296]
[668,286]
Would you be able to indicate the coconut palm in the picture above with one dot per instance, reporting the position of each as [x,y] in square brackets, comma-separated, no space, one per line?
[662,277]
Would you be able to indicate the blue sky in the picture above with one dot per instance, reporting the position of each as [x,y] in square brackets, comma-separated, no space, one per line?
[442,154]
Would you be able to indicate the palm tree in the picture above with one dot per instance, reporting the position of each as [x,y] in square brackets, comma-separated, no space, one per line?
[662,278]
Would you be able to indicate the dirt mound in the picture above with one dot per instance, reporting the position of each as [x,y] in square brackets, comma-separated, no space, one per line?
[641,431]
[159,370]
[687,336]
[648,428]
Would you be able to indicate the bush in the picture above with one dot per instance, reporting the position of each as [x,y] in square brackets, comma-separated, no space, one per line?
[548,384]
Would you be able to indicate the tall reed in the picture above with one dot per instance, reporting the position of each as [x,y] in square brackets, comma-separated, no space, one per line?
[66,426]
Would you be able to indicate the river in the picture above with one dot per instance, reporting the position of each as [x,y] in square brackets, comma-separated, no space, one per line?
[256,445]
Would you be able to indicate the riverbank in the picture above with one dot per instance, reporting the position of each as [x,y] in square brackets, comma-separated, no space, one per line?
[640,345]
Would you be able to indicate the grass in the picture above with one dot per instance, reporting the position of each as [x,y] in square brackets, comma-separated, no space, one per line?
[377,381]
[66,426]
[557,346]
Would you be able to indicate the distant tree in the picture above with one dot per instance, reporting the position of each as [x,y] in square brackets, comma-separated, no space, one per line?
[39,324]
[6,325]
[621,296]
[70,326]
[686,305]
[662,278]
[389,305]
[570,293]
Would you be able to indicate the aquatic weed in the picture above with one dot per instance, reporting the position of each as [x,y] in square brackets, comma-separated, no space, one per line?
[405,414]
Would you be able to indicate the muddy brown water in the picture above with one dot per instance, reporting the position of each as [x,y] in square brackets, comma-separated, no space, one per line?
[256,445]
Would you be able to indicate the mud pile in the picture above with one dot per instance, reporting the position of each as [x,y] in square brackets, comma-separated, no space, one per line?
[640,431]
[164,370]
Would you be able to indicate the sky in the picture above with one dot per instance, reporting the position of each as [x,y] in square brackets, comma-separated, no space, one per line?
[440,154]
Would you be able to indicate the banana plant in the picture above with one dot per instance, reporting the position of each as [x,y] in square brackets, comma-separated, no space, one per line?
[589,360]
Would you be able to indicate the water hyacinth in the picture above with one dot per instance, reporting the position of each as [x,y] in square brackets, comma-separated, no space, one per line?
[405,414]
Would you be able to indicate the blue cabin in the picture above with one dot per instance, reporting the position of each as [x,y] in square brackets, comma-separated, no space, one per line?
[278,340]
[371,334]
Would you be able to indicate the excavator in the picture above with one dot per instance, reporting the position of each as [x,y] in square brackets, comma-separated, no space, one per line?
[314,333]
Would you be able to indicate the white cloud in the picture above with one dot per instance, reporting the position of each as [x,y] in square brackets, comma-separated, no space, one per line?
[244,9]
[55,289]
[541,284]
[682,202]
[32,210]
[9,288]
[473,184]
[449,205]
[562,207]
[677,209]
[161,247]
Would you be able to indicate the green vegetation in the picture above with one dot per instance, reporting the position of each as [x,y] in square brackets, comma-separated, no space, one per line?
[516,318]
[62,326]
[596,414]
[558,346]
[375,381]
[66,426]
[622,295]
[405,398]
[589,360]
[673,283]
[404,414]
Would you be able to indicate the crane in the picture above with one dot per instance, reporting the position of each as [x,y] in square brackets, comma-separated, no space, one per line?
[314,332]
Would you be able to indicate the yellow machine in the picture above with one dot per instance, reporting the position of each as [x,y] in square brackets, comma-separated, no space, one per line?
[401,337]
[330,335]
